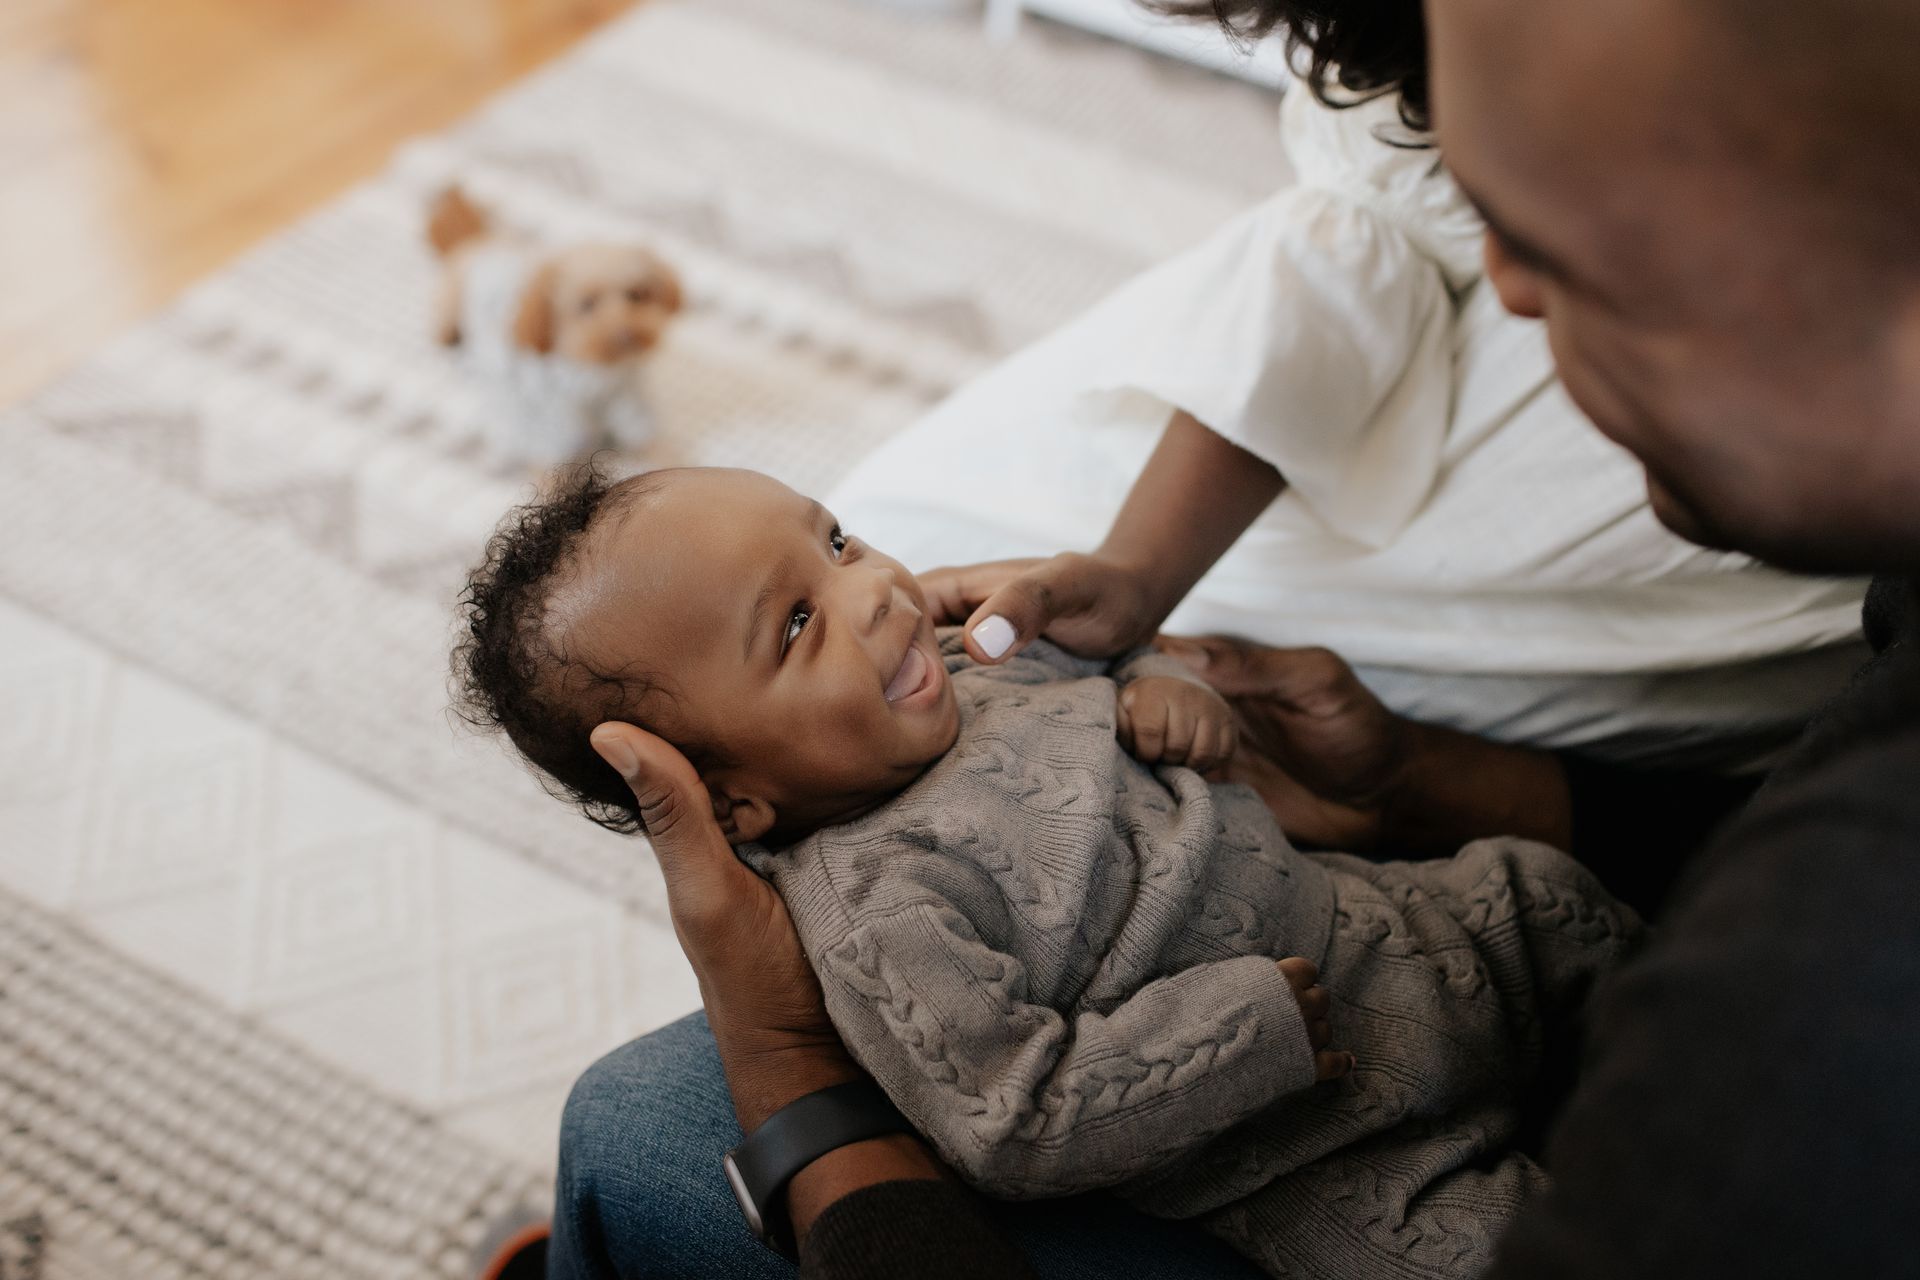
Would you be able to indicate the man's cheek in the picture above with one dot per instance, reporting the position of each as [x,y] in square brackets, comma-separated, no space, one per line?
[1609,384]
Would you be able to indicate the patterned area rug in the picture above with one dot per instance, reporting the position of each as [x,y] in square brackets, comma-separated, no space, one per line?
[294,974]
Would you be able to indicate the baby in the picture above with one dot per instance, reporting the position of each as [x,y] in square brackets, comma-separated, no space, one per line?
[1049,938]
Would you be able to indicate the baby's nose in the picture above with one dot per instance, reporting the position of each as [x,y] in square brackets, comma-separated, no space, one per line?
[887,595]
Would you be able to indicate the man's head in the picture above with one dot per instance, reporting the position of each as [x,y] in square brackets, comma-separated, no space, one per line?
[795,666]
[1715,205]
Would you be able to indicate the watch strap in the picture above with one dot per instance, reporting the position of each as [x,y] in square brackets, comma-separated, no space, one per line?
[793,1138]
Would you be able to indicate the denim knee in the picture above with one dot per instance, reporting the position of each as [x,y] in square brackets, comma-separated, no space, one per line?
[641,1192]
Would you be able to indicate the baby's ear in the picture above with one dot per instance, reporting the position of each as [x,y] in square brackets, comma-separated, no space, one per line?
[533,323]
[742,819]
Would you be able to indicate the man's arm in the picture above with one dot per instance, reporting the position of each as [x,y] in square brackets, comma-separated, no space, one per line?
[927,1230]
[770,1027]
[1638,829]
[1341,771]
[1748,1105]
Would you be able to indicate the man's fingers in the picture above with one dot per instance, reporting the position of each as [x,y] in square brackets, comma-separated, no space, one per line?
[658,775]
[1320,1033]
[1236,668]
[1315,1002]
[700,868]
[1198,652]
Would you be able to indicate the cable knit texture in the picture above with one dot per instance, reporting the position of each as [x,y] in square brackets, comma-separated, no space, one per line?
[1060,964]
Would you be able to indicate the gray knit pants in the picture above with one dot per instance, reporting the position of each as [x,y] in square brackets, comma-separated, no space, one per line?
[1449,979]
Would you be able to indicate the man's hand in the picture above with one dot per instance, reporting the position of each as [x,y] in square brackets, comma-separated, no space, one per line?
[1167,720]
[763,1001]
[1087,604]
[1321,750]
[1341,771]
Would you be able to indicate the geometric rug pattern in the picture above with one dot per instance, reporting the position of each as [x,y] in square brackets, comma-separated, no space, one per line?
[295,971]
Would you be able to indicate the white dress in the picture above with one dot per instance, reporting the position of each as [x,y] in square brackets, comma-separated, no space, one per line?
[1452,524]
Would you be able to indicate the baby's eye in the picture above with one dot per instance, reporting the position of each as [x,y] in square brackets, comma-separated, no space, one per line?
[838,541]
[639,295]
[796,623]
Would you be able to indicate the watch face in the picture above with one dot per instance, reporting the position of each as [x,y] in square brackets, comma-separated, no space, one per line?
[748,1209]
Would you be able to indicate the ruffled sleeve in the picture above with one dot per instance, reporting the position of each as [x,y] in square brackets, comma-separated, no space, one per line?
[1315,330]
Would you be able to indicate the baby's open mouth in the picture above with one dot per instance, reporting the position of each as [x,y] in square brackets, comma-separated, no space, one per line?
[915,670]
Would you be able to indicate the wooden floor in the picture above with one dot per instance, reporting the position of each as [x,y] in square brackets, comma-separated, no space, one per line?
[145,142]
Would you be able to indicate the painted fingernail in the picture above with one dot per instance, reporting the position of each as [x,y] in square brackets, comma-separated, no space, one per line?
[994,636]
[618,754]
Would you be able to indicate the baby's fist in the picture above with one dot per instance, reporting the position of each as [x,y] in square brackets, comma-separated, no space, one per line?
[1316,1010]
[1167,720]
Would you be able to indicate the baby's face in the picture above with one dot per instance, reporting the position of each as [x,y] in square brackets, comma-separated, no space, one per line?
[804,657]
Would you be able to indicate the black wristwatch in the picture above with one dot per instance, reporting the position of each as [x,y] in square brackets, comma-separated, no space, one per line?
[794,1137]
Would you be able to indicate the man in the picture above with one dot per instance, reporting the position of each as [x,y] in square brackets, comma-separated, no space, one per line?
[1713,204]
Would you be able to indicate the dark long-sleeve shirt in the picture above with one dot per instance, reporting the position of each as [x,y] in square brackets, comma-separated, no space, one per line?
[1747,1106]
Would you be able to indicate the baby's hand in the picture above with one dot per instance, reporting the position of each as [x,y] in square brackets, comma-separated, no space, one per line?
[1167,720]
[1315,1005]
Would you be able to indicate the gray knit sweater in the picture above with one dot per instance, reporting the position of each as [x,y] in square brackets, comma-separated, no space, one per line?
[1060,964]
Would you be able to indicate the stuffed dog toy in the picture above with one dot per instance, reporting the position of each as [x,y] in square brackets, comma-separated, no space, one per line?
[558,334]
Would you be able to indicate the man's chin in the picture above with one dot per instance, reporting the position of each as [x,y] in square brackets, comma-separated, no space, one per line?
[1686,520]
[1825,553]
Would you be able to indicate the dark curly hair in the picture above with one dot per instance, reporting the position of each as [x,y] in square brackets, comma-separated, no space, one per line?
[513,674]
[1355,50]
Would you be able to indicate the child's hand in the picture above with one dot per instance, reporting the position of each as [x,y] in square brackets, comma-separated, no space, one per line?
[1167,720]
[1086,604]
[1315,1004]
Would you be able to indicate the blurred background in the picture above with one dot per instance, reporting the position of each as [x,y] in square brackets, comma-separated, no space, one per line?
[295,970]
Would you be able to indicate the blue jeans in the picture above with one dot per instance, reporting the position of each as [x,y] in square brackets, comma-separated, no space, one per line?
[641,1192]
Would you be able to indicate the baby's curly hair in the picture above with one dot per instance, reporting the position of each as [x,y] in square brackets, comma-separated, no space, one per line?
[513,674]
[1356,50]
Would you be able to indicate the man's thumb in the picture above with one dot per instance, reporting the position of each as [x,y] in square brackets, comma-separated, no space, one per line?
[1225,664]
[1194,653]
[664,785]
[1238,668]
